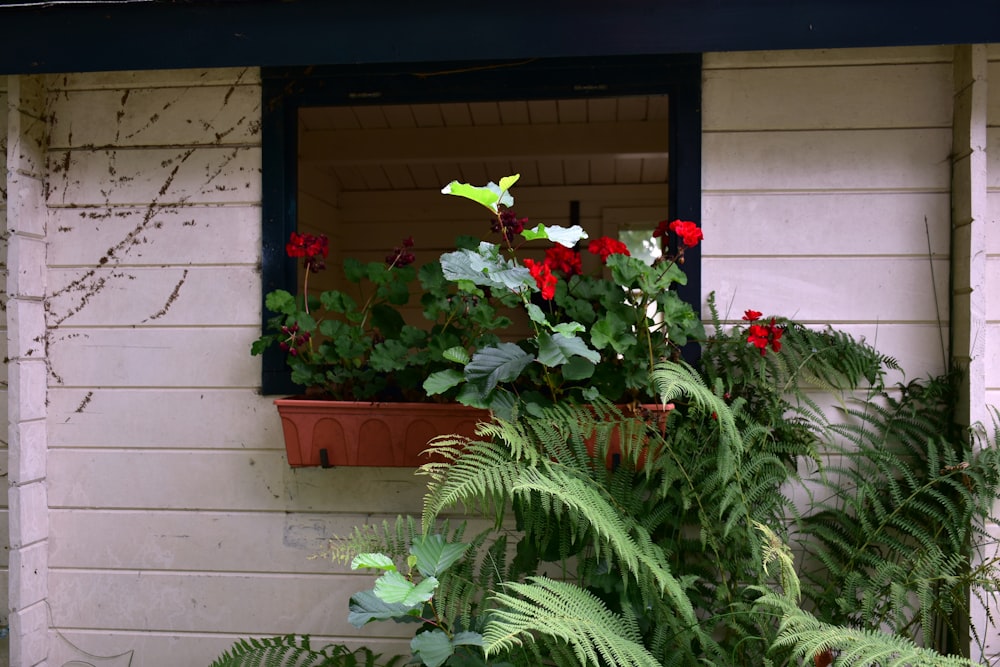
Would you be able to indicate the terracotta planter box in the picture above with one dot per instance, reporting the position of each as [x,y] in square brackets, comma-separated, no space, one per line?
[656,416]
[347,433]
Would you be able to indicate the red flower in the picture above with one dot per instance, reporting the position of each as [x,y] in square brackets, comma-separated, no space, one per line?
[563,259]
[401,255]
[751,315]
[760,336]
[508,224]
[606,246]
[543,278]
[689,232]
[312,248]
[307,245]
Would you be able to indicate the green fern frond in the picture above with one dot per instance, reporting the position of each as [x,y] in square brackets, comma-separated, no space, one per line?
[543,609]
[392,539]
[803,636]
[295,651]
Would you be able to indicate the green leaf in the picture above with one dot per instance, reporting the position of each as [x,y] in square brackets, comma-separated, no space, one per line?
[441,381]
[280,301]
[486,267]
[373,560]
[568,329]
[611,330]
[458,354]
[557,349]
[433,647]
[389,355]
[578,368]
[366,607]
[387,320]
[467,639]
[435,555]
[507,182]
[565,236]
[393,587]
[490,195]
[499,363]
[337,302]
[536,314]
[354,270]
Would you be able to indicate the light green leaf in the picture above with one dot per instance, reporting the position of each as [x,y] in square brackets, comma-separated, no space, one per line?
[507,182]
[458,354]
[433,647]
[441,381]
[569,328]
[565,236]
[435,555]
[373,560]
[393,587]
[490,195]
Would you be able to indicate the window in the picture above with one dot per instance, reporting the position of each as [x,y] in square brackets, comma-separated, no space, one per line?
[360,153]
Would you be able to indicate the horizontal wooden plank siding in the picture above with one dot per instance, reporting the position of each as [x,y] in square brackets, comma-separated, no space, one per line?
[826,186]
[4,525]
[992,276]
[993,228]
[167,476]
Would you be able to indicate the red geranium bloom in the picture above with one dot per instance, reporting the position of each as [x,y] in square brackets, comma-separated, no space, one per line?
[761,335]
[307,245]
[689,232]
[607,246]
[566,260]
[313,248]
[401,255]
[751,315]
[543,278]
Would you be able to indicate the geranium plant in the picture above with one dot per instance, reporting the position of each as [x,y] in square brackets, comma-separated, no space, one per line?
[356,344]
[592,334]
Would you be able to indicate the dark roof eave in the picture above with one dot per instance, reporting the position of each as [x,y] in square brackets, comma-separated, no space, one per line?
[148,34]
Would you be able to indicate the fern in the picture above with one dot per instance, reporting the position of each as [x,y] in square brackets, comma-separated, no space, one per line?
[894,536]
[295,651]
[568,614]
[803,637]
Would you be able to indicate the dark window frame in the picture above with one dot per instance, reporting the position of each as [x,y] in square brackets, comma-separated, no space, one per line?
[286,90]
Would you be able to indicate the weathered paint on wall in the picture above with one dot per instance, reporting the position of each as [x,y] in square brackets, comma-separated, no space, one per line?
[26,368]
[176,524]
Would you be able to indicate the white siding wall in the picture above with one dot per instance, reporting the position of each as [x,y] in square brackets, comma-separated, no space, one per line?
[992,273]
[176,524]
[26,371]
[993,227]
[826,181]
[5,537]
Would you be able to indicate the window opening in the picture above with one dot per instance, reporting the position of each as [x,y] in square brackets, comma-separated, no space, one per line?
[362,159]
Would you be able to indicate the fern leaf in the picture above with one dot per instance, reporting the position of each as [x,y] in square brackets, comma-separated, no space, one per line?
[564,612]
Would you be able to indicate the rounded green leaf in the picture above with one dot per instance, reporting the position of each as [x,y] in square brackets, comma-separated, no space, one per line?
[373,560]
